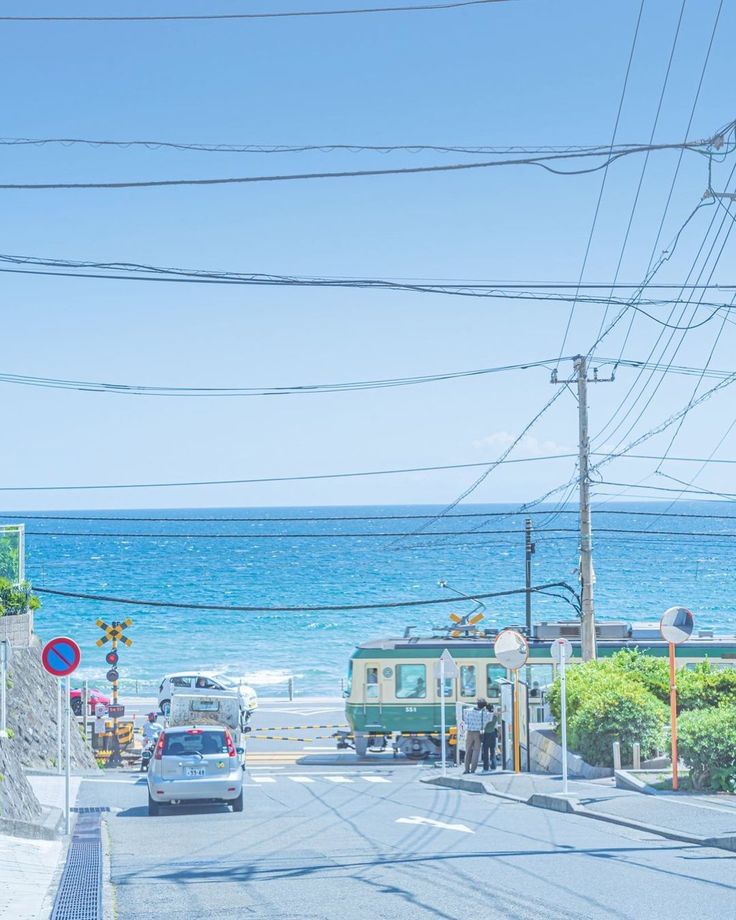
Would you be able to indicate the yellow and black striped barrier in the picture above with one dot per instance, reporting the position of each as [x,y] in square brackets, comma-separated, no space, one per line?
[288,738]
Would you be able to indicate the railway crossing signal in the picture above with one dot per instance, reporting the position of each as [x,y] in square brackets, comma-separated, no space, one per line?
[465,624]
[113,632]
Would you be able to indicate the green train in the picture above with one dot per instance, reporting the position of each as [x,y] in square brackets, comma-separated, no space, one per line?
[393,695]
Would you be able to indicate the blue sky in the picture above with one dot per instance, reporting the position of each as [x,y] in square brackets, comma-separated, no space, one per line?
[521,73]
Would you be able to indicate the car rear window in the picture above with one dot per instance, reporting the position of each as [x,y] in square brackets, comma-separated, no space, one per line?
[195,742]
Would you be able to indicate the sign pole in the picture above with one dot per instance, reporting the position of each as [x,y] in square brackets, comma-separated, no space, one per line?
[3,689]
[68,755]
[517,727]
[563,716]
[442,716]
[673,716]
[58,725]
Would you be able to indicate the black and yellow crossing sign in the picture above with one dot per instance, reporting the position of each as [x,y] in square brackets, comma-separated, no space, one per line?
[114,633]
[465,624]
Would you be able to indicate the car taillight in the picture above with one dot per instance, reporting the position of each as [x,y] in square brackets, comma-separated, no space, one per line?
[231,752]
[194,731]
[160,746]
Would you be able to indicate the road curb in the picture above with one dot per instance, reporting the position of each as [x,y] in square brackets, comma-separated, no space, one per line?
[48,828]
[626,780]
[572,806]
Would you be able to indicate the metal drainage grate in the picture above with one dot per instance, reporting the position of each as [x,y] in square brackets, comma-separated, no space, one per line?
[90,809]
[80,890]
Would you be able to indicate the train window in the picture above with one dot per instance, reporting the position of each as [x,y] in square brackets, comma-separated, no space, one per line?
[411,681]
[494,673]
[350,677]
[538,677]
[371,683]
[448,686]
[467,680]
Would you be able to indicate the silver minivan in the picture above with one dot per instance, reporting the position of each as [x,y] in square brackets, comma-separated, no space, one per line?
[195,764]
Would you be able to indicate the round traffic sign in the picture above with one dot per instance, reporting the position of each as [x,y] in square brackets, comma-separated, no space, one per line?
[511,649]
[556,649]
[61,656]
[676,625]
[112,675]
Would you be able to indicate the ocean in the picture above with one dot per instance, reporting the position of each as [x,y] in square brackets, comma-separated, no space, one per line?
[312,561]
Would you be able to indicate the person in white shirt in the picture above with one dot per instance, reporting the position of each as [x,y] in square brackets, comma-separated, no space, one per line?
[475,723]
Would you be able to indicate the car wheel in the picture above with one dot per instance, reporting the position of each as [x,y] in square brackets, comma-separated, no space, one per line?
[237,804]
[76,705]
[154,809]
[165,707]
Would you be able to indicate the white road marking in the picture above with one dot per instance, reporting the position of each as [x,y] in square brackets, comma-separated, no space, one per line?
[375,779]
[301,779]
[264,779]
[338,779]
[416,819]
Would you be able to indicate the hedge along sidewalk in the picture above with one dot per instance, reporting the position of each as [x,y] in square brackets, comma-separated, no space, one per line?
[700,820]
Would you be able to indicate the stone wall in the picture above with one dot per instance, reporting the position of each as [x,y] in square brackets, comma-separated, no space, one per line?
[32,715]
[32,741]
[18,630]
[546,757]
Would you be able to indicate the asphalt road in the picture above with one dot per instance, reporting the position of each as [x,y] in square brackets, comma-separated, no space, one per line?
[320,839]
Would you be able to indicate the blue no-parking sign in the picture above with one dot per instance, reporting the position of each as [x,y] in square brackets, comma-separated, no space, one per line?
[61,656]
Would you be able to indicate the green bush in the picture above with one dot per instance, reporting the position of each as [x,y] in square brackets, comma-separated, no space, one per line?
[616,711]
[704,687]
[652,673]
[16,599]
[707,744]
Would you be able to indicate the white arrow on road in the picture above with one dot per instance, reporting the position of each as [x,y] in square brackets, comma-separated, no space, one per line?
[415,819]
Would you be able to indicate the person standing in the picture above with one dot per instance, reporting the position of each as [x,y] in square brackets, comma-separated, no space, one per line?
[475,722]
[490,739]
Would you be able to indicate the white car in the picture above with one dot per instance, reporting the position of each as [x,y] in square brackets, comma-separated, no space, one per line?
[195,764]
[192,681]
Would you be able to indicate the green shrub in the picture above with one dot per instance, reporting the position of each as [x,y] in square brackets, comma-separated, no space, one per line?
[704,687]
[707,744]
[652,673]
[16,599]
[616,711]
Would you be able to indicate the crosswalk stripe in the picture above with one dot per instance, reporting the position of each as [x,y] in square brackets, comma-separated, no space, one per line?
[301,779]
[263,779]
[338,779]
[375,779]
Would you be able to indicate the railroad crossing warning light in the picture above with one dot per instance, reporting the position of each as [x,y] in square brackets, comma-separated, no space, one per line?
[465,624]
[112,658]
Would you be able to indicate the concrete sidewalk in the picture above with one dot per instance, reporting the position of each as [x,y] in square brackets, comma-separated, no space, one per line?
[29,869]
[693,818]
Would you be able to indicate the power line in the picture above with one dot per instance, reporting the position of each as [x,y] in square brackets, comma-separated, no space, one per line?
[180,605]
[136,389]
[263,479]
[541,161]
[286,14]
[340,534]
[603,180]
[348,475]
[308,148]
[302,519]
[491,467]
[142,272]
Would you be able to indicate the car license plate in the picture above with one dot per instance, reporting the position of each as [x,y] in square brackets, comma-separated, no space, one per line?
[195,771]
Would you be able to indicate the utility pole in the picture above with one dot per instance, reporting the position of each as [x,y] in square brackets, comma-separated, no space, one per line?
[529,552]
[587,573]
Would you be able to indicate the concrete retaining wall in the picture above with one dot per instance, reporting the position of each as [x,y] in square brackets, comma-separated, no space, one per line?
[18,630]
[546,757]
